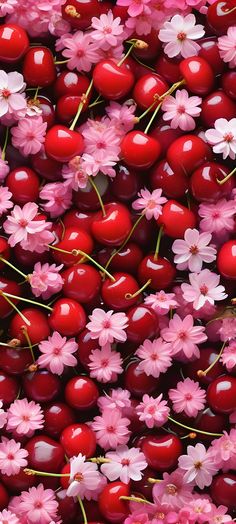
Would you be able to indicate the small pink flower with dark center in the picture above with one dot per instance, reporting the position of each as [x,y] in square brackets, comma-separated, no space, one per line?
[153,411]
[172,490]
[188,397]
[161,302]
[38,505]
[181,110]
[118,398]
[198,465]
[223,137]
[155,357]
[180,34]
[81,50]
[218,216]
[58,196]
[125,464]
[138,517]
[227,330]
[184,336]
[107,30]
[204,287]
[101,139]
[24,228]
[5,200]
[150,203]
[84,477]
[57,352]
[46,280]
[12,457]
[11,98]
[24,417]
[107,326]
[29,135]
[227,47]
[111,429]
[193,250]
[105,365]
[7,517]
[223,450]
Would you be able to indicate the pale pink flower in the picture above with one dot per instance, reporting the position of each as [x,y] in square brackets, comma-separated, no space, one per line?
[204,287]
[125,464]
[135,7]
[107,30]
[161,302]
[219,515]
[21,225]
[191,252]
[105,365]
[57,352]
[184,336]
[179,35]
[4,167]
[172,490]
[58,196]
[7,7]
[122,115]
[119,398]
[45,280]
[99,162]
[228,357]
[38,505]
[180,110]
[3,416]
[5,200]
[188,397]
[137,516]
[39,242]
[218,216]
[155,356]
[57,25]
[24,417]
[29,135]
[153,411]
[107,326]
[84,477]
[200,510]
[115,53]
[223,450]
[101,139]
[150,203]
[199,466]
[12,457]
[223,137]
[227,47]
[75,174]
[81,51]
[227,330]
[11,86]
[111,429]
[7,517]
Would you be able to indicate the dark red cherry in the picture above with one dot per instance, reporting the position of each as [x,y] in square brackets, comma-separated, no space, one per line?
[143,323]
[115,293]
[81,282]
[45,454]
[41,386]
[23,184]
[221,15]
[9,388]
[14,42]
[148,89]
[165,135]
[112,507]
[113,228]
[48,111]
[37,326]
[15,361]
[144,232]
[78,438]
[78,219]
[137,382]
[4,251]
[70,83]
[217,105]
[86,199]
[80,12]
[139,150]
[187,153]
[28,258]
[73,239]
[81,393]
[112,81]
[57,416]
[86,345]
[204,185]
[8,286]
[126,184]
[198,75]
[210,52]
[45,166]
[223,490]
[67,317]
[127,259]
[63,144]
[150,52]
[162,452]
[229,84]
[176,219]
[207,419]
[226,260]
[168,68]
[67,107]
[17,483]
[4,498]
[67,507]
[173,185]
[159,270]
[221,394]
[207,357]
[39,68]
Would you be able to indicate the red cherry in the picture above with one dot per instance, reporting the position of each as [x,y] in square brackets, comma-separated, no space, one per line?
[223,490]
[217,105]
[8,286]
[17,483]
[57,417]
[63,144]
[198,75]
[137,382]
[160,271]
[143,323]
[15,361]
[86,199]
[9,388]
[86,345]
[4,498]
[14,42]
[144,232]
[207,419]
[45,454]
[4,251]
[173,185]
[80,12]
[70,83]
[112,81]
[112,229]
[204,185]
[41,386]
[126,184]
[114,293]
[112,507]
[148,89]
[221,394]
[73,239]
[229,83]
[221,15]
[207,357]
[150,52]
[81,282]
[176,219]
[162,452]
[78,219]
[67,107]
[48,111]
[165,135]
[38,67]
[226,260]
[81,393]
[28,258]
[37,329]
[139,150]
[187,153]
[168,68]
[210,52]
[67,317]
[24,185]
[127,259]
[67,507]
[46,167]
[78,438]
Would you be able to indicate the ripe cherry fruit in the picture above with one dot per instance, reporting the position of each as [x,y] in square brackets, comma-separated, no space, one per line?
[139,150]
[14,42]
[111,80]
[63,144]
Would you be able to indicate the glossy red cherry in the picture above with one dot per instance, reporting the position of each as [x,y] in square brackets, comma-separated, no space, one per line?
[67,507]
[223,490]
[187,153]
[207,419]
[204,185]
[73,239]
[159,270]
[78,219]
[45,454]
[210,52]
[147,89]
[78,438]
[143,323]
[139,150]
[37,327]
[57,416]
[8,286]
[229,84]
[112,229]
[176,219]
[137,382]
[221,394]
[63,144]
[81,282]
[9,388]
[86,199]
[48,111]
[45,166]
[67,317]
[126,184]
[86,345]
[162,452]
[38,67]
[41,386]
[150,52]
[165,135]
[173,185]
[67,107]
[15,361]
[207,357]
[23,184]
[226,260]
[115,293]
[221,15]
[127,259]
[17,483]
[217,105]
[112,507]
[28,258]
[81,393]
[70,83]
[112,81]
[80,12]
[198,75]
[14,42]
[168,68]
[5,251]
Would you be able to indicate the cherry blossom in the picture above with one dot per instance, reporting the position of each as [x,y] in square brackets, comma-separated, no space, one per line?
[219,515]
[161,302]
[107,326]
[84,477]
[227,47]
[172,490]
[38,505]
[7,7]
[105,364]
[24,417]
[200,509]
[57,352]
[12,457]
[191,252]
[125,464]
[58,196]
[204,287]
[74,173]
[29,135]
[135,7]
[118,398]
[11,87]
[227,329]
[80,49]
[8,517]
[122,115]
[218,216]
[228,357]
[223,137]
[184,336]
[155,357]
[5,200]
[179,36]
[22,226]
[223,450]
[107,30]
[150,203]
[180,110]
[45,280]
[3,416]
[187,397]
[111,429]
[101,138]
[153,411]
[198,465]
[4,167]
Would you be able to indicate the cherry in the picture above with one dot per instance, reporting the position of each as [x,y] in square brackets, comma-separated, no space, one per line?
[4,251]
[165,135]
[207,419]
[86,345]
[226,260]
[45,454]
[126,184]
[9,388]
[162,452]
[14,42]
[73,239]
[173,185]
[221,15]
[46,167]
[38,67]
[78,219]
[127,259]
[37,327]
[17,483]
[204,185]
[139,150]
[143,323]
[187,153]
[176,219]
[168,68]
[78,438]
[115,293]
[210,52]
[57,416]
[15,361]
[28,258]
[67,507]
[143,486]
[113,228]
[80,12]
[217,105]
[24,185]
[221,394]
[144,232]
[229,84]
[67,317]
[81,393]
[111,80]
[223,490]
[67,107]
[48,111]
[198,75]
[63,144]
[41,386]
[137,382]
[148,89]
[86,199]
[150,52]
[70,83]
[8,286]
[81,282]
[207,357]
[159,270]
[112,507]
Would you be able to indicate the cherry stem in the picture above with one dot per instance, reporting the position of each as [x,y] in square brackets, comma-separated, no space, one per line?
[97,101]
[152,118]
[26,334]
[203,373]
[5,144]
[144,65]
[158,243]
[136,499]
[27,322]
[140,44]
[147,111]
[13,267]
[82,510]
[99,460]
[154,481]
[221,182]
[60,62]
[9,295]
[81,105]
[36,93]
[161,99]
[128,296]
[194,430]
[190,435]
[125,241]
[98,195]
[28,471]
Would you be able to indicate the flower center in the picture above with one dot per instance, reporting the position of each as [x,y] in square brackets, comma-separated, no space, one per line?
[171,489]
[56,351]
[107,30]
[104,363]
[25,418]
[125,462]
[228,137]
[151,410]
[182,335]
[151,204]
[161,516]
[38,504]
[204,289]
[22,222]
[216,214]
[106,324]
[5,93]
[193,249]
[80,53]
[78,477]
[181,36]
[181,110]
[101,145]
[198,464]
[10,456]
[188,396]
[110,429]
[154,356]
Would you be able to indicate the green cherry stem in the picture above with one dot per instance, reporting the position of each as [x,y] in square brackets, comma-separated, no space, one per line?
[144,65]
[36,93]
[152,118]
[81,105]
[129,296]
[154,481]
[98,195]
[82,510]
[194,430]
[161,100]
[226,178]
[158,243]
[29,471]
[125,241]
[26,334]
[135,499]
[60,62]
[13,267]
[27,322]
[5,144]
[203,373]
[9,295]
[140,44]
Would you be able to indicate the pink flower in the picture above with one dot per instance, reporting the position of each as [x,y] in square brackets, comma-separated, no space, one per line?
[58,196]
[11,86]
[99,162]
[161,302]
[24,417]
[46,280]
[107,30]
[179,35]
[84,477]
[184,336]
[57,353]
[219,515]
[153,411]
[181,109]
[126,464]
[172,490]
[12,457]
[38,505]
[29,135]
[228,329]
[7,517]
[107,326]
[137,517]
[199,466]
[200,510]
[75,174]
[3,416]
[188,397]
[135,7]
[223,450]
[81,51]
[101,139]
[228,357]
[122,116]
[7,7]
[223,137]
[105,364]
[39,242]
[218,216]
[227,47]
[119,398]
[204,287]
[5,200]
[22,226]
[155,357]
[191,252]
[150,203]
[111,429]
[4,167]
